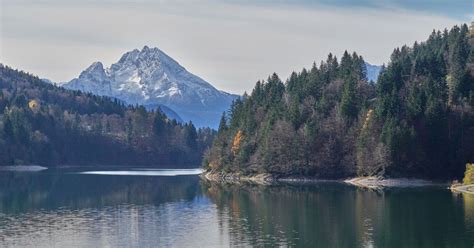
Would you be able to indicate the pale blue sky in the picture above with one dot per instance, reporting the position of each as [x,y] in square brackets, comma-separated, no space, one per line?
[230,43]
[455,8]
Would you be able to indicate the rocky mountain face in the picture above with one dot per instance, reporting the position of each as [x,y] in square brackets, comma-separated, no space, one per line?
[151,78]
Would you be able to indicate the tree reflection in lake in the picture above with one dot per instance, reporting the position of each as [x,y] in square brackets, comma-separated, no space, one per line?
[22,192]
[58,209]
[65,209]
[336,215]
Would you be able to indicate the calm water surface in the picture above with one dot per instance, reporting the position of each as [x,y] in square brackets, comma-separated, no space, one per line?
[148,208]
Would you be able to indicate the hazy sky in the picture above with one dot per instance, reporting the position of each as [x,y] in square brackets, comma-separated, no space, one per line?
[231,44]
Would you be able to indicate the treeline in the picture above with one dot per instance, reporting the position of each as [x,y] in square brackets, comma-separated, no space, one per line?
[48,125]
[329,121]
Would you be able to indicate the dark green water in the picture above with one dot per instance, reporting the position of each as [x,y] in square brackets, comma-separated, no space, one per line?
[58,208]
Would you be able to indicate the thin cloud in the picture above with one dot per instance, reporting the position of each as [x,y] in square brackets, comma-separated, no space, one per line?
[231,45]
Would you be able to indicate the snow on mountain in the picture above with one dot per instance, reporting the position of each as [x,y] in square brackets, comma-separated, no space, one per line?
[373,72]
[165,110]
[150,77]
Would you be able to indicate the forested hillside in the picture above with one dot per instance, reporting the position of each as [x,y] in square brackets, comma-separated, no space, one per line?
[48,125]
[329,121]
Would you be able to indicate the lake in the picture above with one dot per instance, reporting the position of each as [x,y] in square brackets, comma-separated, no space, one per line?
[161,208]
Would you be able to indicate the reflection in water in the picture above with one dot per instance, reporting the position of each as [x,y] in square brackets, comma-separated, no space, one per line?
[468,204]
[66,209]
[147,172]
[22,192]
[177,223]
[75,210]
[336,215]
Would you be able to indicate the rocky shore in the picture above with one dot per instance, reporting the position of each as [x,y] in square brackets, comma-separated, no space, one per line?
[236,178]
[463,188]
[362,182]
[379,182]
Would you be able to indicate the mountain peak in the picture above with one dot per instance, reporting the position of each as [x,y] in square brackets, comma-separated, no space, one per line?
[96,70]
[129,56]
[95,66]
[150,77]
[147,61]
[147,49]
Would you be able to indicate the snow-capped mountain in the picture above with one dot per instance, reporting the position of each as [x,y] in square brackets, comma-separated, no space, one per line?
[373,72]
[150,77]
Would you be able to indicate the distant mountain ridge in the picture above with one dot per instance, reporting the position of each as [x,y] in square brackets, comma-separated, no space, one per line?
[150,77]
[171,114]
[373,72]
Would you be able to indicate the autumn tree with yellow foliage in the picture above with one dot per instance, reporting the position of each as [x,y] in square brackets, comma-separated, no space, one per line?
[236,142]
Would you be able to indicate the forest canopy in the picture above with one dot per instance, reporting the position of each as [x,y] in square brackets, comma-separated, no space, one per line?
[48,125]
[417,120]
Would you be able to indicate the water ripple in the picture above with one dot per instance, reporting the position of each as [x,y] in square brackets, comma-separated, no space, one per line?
[146,172]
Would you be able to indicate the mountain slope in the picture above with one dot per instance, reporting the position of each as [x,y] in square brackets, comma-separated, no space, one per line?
[48,125]
[171,114]
[150,77]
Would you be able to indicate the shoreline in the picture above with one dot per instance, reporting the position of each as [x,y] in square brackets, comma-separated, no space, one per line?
[360,182]
[235,178]
[462,188]
[379,182]
[260,179]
